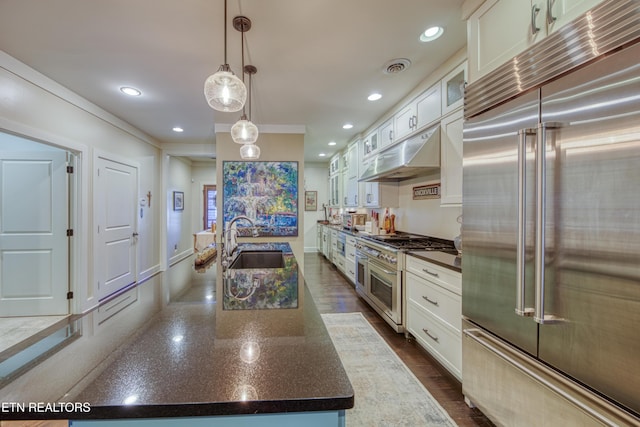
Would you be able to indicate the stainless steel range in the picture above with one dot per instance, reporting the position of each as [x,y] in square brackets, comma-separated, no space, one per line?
[380,262]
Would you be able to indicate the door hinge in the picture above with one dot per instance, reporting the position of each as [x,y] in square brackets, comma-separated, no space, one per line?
[69,232]
[69,169]
[69,295]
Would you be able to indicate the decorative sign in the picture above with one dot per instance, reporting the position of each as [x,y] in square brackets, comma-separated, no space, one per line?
[431,191]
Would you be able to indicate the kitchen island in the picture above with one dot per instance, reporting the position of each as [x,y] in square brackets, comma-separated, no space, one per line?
[256,354]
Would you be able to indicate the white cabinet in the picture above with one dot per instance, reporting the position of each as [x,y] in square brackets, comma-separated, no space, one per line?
[334,246]
[561,12]
[370,144]
[428,107]
[434,311]
[451,159]
[350,176]
[350,192]
[452,87]
[335,181]
[326,242]
[385,134]
[404,121]
[334,189]
[420,112]
[501,29]
[378,194]
[352,160]
[350,258]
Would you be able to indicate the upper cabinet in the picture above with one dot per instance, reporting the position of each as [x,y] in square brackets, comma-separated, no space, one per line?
[370,144]
[334,181]
[501,29]
[385,134]
[418,113]
[452,87]
[350,188]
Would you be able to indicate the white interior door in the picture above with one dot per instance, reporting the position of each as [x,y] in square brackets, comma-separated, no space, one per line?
[115,195]
[34,255]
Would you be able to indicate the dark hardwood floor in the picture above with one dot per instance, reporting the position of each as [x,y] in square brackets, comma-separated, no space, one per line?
[333,293]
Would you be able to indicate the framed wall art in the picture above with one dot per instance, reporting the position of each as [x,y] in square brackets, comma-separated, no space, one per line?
[264,192]
[178,200]
[310,200]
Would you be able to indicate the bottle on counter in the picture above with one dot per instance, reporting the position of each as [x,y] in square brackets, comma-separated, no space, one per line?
[387,221]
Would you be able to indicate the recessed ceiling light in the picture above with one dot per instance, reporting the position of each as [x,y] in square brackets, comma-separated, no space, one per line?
[322,155]
[178,129]
[332,143]
[374,97]
[431,34]
[131,91]
[347,126]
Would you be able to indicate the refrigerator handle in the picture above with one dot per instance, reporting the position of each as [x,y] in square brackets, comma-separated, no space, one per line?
[521,310]
[541,199]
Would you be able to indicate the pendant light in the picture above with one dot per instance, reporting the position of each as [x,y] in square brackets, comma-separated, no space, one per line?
[223,90]
[249,150]
[244,131]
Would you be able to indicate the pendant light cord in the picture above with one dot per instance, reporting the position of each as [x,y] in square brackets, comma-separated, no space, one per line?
[242,50]
[225,32]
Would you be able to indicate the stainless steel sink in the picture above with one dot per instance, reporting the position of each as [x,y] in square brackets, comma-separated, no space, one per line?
[258,259]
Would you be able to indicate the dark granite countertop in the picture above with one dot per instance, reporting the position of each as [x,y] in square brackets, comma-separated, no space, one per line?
[444,259]
[265,350]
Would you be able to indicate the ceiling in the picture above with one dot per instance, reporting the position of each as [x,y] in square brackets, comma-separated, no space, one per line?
[317,60]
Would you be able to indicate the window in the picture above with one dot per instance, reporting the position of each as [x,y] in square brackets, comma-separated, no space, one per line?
[210,211]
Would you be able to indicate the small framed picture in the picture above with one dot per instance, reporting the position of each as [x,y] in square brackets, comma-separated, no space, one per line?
[310,200]
[178,201]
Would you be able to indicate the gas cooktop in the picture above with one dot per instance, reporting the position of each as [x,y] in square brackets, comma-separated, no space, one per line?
[406,241]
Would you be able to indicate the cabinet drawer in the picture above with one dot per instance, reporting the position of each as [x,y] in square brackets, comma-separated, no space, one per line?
[436,338]
[448,279]
[350,253]
[351,240]
[340,262]
[439,302]
[350,270]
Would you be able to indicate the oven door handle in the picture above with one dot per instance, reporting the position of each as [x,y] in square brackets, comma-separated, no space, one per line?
[381,268]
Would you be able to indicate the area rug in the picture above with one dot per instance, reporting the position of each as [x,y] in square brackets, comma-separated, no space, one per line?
[386,391]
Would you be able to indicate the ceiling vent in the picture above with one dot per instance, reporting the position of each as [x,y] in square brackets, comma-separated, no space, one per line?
[396,66]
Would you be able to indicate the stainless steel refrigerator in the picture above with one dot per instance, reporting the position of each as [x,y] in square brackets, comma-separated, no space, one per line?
[551,238]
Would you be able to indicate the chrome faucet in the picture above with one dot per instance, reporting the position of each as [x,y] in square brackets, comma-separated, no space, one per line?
[230,236]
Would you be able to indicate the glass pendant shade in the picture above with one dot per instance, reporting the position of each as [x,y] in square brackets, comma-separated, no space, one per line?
[244,131]
[224,91]
[250,152]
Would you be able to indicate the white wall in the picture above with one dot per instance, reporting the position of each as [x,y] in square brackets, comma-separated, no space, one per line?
[37,108]
[316,177]
[179,222]
[426,217]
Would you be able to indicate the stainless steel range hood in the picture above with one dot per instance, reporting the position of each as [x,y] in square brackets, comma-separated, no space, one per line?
[417,156]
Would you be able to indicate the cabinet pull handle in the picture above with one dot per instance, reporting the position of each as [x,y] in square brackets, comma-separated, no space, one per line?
[550,18]
[428,272]
[534,13]
[433,337]
[430,300]
[390,135]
